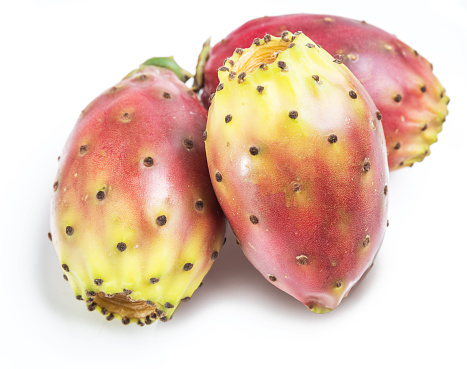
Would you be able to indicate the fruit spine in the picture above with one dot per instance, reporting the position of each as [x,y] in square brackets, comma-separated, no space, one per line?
[134,220]
[297,158]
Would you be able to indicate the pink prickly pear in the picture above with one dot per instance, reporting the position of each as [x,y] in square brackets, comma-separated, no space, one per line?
[400,81]
[134,219]
[297,157]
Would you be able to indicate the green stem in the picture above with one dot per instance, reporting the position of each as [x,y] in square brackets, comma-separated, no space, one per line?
[203,57]
[169,63]
[164,62]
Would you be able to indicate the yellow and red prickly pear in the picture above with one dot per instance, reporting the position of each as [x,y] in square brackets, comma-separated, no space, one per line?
[134,219]
[297,157]
[400,81]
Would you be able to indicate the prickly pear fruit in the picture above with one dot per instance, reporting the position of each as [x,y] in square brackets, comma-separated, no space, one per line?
[297,158]
[400,81]
[134,219]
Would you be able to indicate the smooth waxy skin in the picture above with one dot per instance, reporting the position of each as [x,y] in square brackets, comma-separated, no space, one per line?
[401,82]
[133,211]
[297,158]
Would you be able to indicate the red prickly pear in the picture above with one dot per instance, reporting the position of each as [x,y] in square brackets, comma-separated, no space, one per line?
[400,81]
[297,157]
[134,219]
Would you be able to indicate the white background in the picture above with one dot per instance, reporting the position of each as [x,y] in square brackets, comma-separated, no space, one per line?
[409,312]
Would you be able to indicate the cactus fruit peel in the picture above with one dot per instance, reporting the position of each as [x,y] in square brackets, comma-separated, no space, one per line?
[297,158]
[134,219]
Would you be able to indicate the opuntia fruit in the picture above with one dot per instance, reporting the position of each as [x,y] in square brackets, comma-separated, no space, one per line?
[297,158]
[134,219]
[400,81]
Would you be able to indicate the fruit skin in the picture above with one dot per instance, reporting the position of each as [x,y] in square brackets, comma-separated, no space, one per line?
[133,212]
[297,158]
[400,81]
